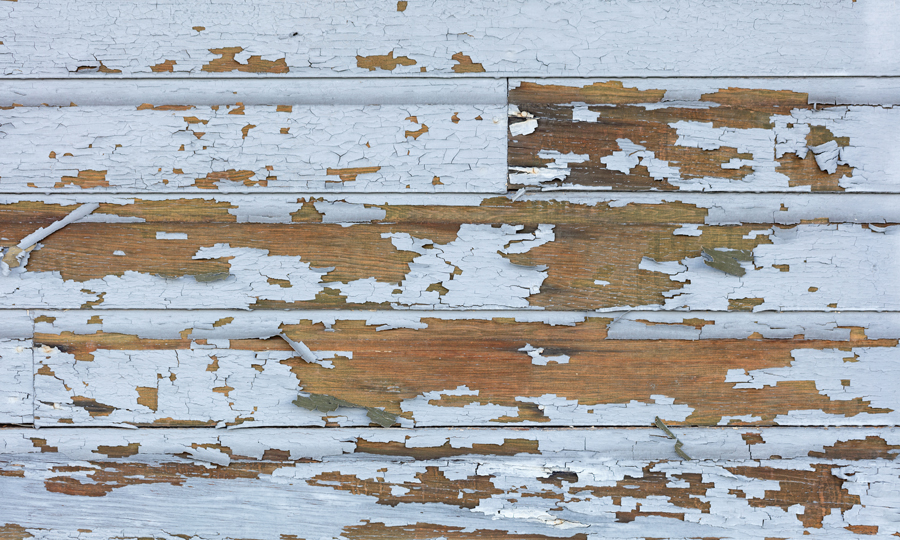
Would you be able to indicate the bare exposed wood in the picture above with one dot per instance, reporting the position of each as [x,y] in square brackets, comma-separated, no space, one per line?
[504,484]
[731,135]
[193,369]
[278,38]
[574,252]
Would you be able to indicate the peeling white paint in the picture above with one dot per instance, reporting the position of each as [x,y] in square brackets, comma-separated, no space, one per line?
[523,128]
[16,380]
[348,213]
[631,154]
[558,169]
[162,235]
[870,126]
[865,373]
[688,229]
[827,263]
[471,268]
[538,358]
[325,148]
[581,113]
[525,38]
[16,257]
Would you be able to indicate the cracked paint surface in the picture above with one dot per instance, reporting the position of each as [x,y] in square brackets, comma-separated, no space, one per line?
[749,483]
[715,135]
[238,148]
[292,226]
[524,38]
[200,368]
[541,251]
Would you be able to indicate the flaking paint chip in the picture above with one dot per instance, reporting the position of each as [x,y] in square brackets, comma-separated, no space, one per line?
[326,403]
[18,255]
[727,261]
[678,444]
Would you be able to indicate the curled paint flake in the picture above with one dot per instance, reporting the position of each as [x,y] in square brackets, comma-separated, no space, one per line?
[678,444]
[326,403]
[828,156]
[727,260]
[17,255]
[523,128]
[305,353]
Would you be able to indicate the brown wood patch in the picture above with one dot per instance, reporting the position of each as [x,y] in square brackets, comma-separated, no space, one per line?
[640,117]
[390,367]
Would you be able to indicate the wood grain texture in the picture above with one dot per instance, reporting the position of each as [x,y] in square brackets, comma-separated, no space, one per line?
[566,252]
[456,484]
[227,368]
[451,38]
[200,139]
[703,135]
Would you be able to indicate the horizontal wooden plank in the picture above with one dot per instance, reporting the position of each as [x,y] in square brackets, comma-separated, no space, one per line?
[294,446]
[16,368]
[523,37]
[233,368]
[704,135]
[460,484]
[255,91]
[171,146]
[567,252]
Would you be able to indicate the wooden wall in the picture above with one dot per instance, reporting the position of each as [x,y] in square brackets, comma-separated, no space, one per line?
[414,270]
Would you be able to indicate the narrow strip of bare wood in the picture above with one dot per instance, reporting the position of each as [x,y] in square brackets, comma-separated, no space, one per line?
[228,369]
[46,38]
[454,484]
[571,252]
[703,135]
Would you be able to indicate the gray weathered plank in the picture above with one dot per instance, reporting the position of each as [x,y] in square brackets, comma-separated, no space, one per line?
[521,37]
[454,484]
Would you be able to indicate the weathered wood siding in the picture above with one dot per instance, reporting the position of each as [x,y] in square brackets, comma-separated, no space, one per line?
[464,484]
[241,38]
[233,368]
[705,135]
[197,139]
[567,252]
[452,270]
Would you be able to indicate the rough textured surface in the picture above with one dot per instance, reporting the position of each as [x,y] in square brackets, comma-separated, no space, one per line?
[535,484]
[235,369]
[705,135]
[232,146]
[456,38]
[16,368]
[553,252]
[310,270]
